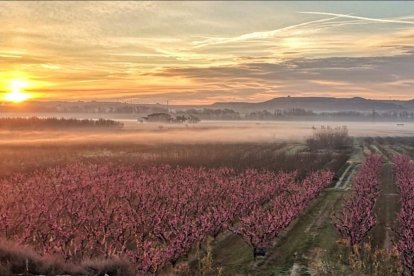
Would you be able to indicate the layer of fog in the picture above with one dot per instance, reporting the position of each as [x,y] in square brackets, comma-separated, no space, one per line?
[203,132]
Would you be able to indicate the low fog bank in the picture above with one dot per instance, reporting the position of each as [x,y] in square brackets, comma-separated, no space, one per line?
[149,136]
[204,132]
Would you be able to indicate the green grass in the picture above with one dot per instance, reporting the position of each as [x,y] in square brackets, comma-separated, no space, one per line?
[233,254]
[313,230]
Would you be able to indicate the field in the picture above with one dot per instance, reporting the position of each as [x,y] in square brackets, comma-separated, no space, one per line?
[101,201]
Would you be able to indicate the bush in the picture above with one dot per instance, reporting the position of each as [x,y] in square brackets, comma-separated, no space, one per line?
[330,138]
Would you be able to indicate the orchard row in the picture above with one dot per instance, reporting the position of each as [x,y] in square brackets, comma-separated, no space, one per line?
[152,216]
[404,177]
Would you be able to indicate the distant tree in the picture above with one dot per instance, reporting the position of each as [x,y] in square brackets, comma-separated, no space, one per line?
[55,123]
[182,117]
[212,114]
[160,117]
[186,118]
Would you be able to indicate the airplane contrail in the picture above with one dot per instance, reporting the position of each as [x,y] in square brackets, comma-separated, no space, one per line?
[256,35]
[379,20]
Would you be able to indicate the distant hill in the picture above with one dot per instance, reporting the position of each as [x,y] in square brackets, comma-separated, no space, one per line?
[316,104]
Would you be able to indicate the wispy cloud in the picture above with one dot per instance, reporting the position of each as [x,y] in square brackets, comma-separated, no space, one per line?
[256,35]
[378,20]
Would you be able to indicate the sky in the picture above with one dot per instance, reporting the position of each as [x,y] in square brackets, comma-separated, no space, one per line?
[204,52]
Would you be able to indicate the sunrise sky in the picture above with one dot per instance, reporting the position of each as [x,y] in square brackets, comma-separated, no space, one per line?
[203,52]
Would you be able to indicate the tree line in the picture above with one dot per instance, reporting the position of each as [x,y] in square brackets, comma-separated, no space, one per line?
[36,123]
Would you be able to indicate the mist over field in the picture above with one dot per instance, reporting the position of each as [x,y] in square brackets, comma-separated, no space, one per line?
[203,132]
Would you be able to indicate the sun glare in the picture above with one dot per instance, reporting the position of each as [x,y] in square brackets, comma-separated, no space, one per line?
[294,42]
[16,93]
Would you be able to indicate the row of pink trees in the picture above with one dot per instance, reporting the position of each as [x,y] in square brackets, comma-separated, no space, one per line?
[265,223]
[151,215]
[404,177]
[357,216]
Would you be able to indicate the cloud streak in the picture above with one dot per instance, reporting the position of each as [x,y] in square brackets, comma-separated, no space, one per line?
[378,20]
[257,35]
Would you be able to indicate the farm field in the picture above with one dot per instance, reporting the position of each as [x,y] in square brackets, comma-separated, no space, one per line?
[307,243]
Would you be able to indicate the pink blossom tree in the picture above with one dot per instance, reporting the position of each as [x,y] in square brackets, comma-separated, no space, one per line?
[404,177]
[357,218]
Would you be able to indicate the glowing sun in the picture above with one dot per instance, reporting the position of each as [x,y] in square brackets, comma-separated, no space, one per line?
[16,93]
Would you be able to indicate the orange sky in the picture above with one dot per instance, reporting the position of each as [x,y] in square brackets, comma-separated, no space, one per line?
[203,52]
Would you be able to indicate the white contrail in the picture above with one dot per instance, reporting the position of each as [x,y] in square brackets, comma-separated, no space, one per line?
[256,35]
[380,20]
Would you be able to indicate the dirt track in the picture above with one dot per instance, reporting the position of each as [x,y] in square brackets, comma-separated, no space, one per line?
[387,206]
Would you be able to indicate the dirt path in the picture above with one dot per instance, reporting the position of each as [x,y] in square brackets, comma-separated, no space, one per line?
[343,180]
[386,207]
[313,230]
